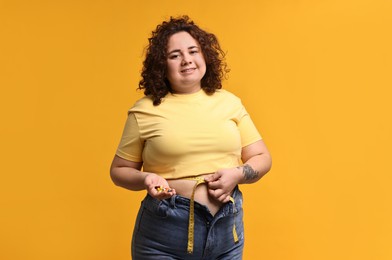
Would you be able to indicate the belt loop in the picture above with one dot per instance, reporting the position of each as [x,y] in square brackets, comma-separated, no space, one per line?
[173,201]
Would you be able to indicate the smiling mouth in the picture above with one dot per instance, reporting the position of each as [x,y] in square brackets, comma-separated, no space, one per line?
[188,70]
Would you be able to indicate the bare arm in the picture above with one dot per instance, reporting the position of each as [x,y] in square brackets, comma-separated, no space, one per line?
[128,174]
[257,162]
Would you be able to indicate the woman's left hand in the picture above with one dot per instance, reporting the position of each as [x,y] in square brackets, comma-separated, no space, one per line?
[222,182]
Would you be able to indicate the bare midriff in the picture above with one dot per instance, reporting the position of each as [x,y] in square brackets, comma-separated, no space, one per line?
[185,187]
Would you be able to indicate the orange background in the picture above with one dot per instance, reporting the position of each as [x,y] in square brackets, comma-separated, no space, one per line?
[315,76]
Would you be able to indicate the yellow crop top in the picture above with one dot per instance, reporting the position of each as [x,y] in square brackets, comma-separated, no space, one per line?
[187,134]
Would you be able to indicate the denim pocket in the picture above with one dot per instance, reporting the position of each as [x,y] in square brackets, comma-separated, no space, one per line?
[152,212]
[155,208]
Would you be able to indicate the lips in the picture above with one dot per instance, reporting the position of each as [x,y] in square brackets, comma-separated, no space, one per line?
[188,70]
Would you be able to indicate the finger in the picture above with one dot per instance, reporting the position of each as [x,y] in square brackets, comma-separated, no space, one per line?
[161,188]
[212,192]
[217,193]
[212,177]
[168,193]
[214,185]
[227,199]
[224,198]
[208,177]
[164,192]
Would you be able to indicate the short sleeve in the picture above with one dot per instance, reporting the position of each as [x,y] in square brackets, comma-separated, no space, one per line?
[131,145]
[248,131]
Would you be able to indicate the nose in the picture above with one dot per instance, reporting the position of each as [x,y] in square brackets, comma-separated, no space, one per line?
[186,59]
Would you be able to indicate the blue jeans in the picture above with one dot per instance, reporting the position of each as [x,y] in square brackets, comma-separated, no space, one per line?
[161,230]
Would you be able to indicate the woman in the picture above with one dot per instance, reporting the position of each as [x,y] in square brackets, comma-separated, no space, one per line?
[195,142]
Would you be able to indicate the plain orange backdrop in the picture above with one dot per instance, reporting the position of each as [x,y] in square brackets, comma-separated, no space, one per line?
[315,76]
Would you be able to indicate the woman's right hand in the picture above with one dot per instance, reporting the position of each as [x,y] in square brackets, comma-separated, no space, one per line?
[158,187]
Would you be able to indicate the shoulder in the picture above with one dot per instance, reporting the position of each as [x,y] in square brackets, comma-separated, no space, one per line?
[226,96]
[145,103]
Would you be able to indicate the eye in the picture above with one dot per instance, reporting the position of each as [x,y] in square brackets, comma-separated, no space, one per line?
[174,56]
[194,52]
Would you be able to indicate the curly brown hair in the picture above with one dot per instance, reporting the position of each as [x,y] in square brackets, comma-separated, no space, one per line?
[154,81]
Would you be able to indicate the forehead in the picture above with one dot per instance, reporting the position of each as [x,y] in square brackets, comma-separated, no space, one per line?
[181,40]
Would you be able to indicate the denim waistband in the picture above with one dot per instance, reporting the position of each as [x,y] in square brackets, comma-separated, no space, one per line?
[226,209]
[176,200]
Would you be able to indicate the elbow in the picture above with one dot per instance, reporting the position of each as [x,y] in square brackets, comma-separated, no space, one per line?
[114,176]
[267,163]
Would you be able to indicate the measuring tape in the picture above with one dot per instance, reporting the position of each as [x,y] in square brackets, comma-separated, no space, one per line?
[191,224]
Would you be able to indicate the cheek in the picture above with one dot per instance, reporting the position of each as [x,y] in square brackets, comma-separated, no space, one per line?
[202,63]
[203,68]
[170,69]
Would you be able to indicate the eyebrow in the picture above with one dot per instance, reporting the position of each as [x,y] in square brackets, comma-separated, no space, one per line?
[178,50]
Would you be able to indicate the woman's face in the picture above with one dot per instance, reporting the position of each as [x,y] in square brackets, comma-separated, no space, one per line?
[185,63]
